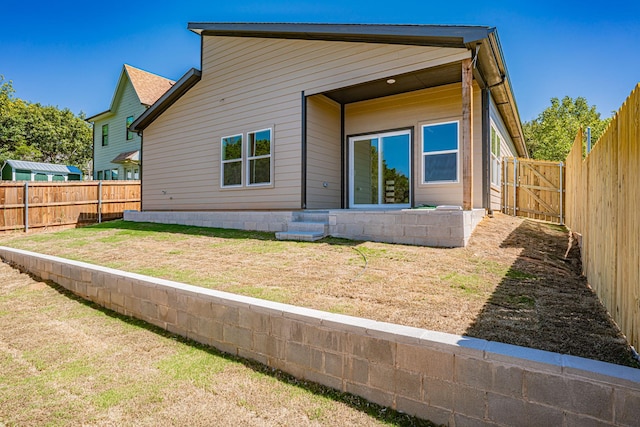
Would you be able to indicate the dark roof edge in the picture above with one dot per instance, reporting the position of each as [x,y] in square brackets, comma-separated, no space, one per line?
[186,82]
[518,132]
[92,118]
[430,35]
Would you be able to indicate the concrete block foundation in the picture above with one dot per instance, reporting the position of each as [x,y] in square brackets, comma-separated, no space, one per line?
[421,227]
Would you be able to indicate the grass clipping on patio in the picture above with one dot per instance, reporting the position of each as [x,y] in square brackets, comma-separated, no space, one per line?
[517,281]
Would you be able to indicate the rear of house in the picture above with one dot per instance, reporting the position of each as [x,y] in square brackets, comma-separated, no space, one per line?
[288,117]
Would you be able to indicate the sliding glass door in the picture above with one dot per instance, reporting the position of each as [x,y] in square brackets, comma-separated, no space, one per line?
[380,170]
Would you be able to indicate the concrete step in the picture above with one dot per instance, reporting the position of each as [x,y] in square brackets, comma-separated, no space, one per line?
[306,226]
[302,236]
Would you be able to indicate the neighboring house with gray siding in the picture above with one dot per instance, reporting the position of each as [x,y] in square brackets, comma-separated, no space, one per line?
[347,119]
[116,150]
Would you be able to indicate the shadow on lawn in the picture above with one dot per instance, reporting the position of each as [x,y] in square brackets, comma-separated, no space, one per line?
[386,415]
[226,233]
[544,302]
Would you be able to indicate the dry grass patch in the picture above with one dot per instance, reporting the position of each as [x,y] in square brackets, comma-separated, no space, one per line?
[64,361]
[504,286]
[396,283]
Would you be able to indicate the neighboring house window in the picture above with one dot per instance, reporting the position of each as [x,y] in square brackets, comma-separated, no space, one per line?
[259,157]
[131,173]
[440,152]
[496,141]
[99,175]
[231,167]
[114,174]
[129,133]
[105,135]
[107,174]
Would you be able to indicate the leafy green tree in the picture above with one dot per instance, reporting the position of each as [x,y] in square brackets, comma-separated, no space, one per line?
[10,120]
[40,133]
[551,134]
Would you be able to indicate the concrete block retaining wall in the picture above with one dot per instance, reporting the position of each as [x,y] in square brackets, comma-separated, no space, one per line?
[424,227]
[445,378]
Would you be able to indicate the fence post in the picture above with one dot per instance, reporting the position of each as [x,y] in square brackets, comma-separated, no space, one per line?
[503,197]
[26,206]
[100,202]
[515,186]
[561,196]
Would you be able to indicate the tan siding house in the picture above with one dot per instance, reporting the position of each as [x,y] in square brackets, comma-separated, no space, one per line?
[300,117]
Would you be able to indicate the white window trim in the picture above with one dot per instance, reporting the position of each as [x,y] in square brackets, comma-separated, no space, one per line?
[431,153]
[249,158]
[223,162]
[379,136]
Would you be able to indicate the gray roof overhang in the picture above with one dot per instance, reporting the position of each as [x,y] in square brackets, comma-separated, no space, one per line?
[421,79]
[490,72]
[429,35]
[493,70]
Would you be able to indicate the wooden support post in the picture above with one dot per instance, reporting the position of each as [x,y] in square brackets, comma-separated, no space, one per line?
[515,186]
[467,134]
[561,185]
[26,206]
[100,202]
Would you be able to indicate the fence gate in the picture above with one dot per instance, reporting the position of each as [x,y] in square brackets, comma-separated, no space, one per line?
[533,189]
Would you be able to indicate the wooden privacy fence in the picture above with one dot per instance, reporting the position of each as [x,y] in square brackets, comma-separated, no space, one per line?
[533,189]
[603,206]
[27,205]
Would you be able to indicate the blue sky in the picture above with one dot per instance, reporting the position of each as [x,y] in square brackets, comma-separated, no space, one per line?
[70,53]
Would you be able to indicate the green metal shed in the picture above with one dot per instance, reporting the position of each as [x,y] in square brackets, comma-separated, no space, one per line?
[18,170]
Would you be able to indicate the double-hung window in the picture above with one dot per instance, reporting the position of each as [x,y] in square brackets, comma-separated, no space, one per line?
[231,170]
[246,161]
[440,152]
[259,157]
[496,141]
[105,135]
[128,123]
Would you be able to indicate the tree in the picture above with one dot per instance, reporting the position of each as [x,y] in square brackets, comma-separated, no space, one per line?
[40,133]
[551,134]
